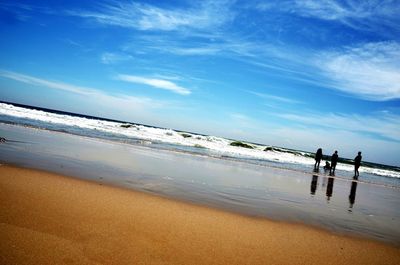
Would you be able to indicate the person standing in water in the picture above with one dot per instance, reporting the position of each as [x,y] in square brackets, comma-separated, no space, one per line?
[318,157]
[334,160]
[357,164]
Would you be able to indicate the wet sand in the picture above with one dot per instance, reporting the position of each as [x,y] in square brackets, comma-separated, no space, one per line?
[51,219]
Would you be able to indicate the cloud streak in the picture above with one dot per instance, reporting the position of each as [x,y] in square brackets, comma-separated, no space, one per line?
[370,71]
[149,17]
[112,58]
[274,98]
[47,83]
[156,83]
[125,100]
[383,125]
[359,15]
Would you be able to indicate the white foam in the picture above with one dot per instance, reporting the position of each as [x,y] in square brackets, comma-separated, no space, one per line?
[218,145]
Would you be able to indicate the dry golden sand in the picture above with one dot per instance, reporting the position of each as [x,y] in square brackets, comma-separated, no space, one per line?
[50,219]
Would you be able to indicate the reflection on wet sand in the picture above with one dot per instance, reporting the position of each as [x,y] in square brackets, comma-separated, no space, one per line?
[314,182]
[352,196]
[329,188]
[328,182]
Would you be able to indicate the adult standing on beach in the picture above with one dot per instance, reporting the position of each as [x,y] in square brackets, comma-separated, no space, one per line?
[318,157]
[357,164]
[334,160]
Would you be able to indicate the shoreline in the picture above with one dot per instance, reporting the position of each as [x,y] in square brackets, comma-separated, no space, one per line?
[47,218]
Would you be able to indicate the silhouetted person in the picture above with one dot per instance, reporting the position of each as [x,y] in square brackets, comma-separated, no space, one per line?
[352,196]
[329,188]
[327,166]
[314,182]
[2,140]
[318,157]
[334,160]
[357,164]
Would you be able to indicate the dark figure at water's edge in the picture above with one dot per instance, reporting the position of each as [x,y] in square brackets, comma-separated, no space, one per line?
[318,157]
[357,164]
[334,160]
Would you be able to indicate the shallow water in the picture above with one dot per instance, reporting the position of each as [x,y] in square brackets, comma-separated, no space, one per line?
[338,204]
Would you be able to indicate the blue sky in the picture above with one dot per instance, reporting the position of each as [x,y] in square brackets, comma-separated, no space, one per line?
[299,74]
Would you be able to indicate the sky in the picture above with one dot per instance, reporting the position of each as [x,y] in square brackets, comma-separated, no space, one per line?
[300,74]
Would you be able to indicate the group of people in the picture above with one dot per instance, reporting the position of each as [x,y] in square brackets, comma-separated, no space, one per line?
[334,159]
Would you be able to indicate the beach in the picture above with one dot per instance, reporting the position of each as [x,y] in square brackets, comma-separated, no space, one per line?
[70,199]
[337,204]
[50,219]
[200,132]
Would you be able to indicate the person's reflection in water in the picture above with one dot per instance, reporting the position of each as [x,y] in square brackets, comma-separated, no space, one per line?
[329,188]
[352,196]
[314,182]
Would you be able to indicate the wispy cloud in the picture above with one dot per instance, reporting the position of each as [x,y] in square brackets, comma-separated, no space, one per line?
[12,12]
[47,83]
[156,83]
[112,57]
[274,97]
[360,15]
[95,94]
[72,43]
[194,50]
[280,59]
[383,125]
[330,9]
[149,17]
[370,71]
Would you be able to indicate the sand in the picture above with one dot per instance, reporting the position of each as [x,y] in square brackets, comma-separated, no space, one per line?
[51,219]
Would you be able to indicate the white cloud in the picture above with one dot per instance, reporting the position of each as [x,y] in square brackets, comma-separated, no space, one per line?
[360,15]
[384,125]
[95,94]
[112,58]
[153,82]
[274,98]
[328,9]
[370,71]
[16,11]
[193,50]
[48,83]
[208,14]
